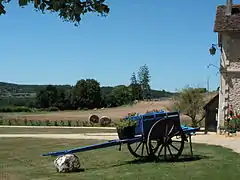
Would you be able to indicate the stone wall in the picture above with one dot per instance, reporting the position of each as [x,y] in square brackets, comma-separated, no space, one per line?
[229,92]
[234,89]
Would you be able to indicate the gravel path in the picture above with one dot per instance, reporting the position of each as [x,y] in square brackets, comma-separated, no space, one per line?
[213,139]
[97,136]
[220,140]
[55,127]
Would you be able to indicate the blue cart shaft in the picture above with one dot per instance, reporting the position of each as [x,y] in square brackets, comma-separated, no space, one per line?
[189,130]
[93,147]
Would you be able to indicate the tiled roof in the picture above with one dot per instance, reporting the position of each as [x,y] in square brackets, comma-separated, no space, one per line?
[227,23]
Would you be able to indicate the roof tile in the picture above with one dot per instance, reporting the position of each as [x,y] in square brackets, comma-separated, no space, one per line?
[227,23]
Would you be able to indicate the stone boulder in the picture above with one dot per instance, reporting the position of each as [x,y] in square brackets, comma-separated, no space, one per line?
[67,163]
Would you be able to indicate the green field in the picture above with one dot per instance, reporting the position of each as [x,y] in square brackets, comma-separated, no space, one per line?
[13,130]
[21,160]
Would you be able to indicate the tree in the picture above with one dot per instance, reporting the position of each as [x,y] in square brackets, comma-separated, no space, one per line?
[121,95]
[133,78]
[48,97]
[202,90]
[190,101]
[144,79]
[87,94]
[135,87]
[93,93]
[68,10]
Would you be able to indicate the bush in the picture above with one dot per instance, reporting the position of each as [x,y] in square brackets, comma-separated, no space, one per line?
[52,109]
[25,122]
[62,123]
[18,122]
[31,123]
[77,123]
[15,109]
[47,123]
[9,122]
[86,124]
[55,123]
[38,123]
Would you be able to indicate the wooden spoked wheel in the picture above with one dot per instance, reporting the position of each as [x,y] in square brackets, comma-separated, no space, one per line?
[138,149]
[166,140]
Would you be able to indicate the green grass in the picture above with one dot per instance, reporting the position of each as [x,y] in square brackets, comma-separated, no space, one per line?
[21,160]
[12,130]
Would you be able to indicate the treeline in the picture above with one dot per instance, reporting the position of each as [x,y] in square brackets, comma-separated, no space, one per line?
[85,94]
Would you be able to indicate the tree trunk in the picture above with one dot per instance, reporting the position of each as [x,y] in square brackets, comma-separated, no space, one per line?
[194,122]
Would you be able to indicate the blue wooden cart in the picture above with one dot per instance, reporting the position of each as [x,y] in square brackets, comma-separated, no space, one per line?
[158,135]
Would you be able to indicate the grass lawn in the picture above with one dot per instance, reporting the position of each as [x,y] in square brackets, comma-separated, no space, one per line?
[21,160]
[12,130]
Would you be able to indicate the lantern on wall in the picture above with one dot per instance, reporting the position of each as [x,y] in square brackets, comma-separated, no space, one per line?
[212,50]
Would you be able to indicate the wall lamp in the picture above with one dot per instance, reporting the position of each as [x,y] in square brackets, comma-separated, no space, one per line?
[213,48]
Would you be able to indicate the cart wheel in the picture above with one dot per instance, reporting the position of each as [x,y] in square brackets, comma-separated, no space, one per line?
[166,140]
[138,149]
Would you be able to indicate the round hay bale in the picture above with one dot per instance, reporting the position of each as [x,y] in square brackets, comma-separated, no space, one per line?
[93,119]
[105,121]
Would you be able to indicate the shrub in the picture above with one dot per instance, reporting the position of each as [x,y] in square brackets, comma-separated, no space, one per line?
[55,123]
[1,121]
[18,122]
[52,109]
[77,123]
[9,122]
[16,109]
[39,123]
[14,122]
[86,124]
[25,122]
[31,123]
[62,123]
[47,123]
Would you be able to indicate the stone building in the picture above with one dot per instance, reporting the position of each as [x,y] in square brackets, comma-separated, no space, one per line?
[227,25]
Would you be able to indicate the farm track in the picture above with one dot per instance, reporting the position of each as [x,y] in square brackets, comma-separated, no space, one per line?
[57,127]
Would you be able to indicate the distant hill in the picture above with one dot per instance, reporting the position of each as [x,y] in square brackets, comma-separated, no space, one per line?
[22,90]
[26,90]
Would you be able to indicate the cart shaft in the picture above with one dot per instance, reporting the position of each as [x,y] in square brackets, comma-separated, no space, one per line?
[95,146]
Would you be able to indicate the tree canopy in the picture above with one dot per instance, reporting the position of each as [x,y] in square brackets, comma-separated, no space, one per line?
[190,101]
[68,10]
[144,80]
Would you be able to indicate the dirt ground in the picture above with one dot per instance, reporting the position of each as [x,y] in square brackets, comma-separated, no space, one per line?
[113,113]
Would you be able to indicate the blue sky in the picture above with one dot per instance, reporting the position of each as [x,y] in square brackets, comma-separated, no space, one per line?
[171,37]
